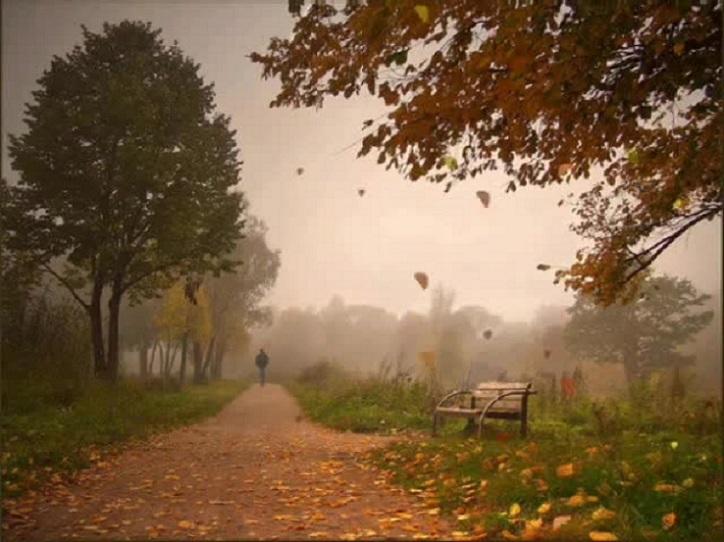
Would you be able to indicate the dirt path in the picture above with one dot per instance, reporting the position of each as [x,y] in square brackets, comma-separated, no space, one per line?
[256,470]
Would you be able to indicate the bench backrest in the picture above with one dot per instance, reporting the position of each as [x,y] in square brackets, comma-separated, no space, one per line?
[487,391]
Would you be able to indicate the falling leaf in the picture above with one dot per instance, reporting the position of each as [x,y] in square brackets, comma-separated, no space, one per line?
[544,508]
[564,471]
[484,197]
[300,170]
[602,536]
[560,521]
[564,169]
[361,192]
[668,520]
[546,354]
[674,445]
[602,514]
[423,12]
[542,267]
[421,279]
[514,510]
[679,48]
[688,483]
[488,333]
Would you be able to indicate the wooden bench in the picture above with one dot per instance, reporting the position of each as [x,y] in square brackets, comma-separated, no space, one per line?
[498,400]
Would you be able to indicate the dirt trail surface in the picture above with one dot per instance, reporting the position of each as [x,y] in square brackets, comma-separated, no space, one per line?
[257,470]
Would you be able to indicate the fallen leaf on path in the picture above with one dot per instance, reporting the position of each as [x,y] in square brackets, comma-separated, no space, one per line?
[564,471]
[560,521]
[601,514]
[668,521]
[514,510]
[544,508]
[185,524]
[602,536]
[576,501]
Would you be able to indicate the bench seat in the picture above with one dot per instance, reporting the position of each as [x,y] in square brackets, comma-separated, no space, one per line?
[496,400]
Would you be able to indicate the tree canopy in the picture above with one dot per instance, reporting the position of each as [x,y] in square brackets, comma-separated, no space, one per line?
[643,335]
[127,174]
[629,92]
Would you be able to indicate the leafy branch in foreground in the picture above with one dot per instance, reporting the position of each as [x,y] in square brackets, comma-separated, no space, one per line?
[549,91]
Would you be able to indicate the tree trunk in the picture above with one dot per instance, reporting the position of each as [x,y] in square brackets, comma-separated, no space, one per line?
[218,360]
[184,352]
[153,358]
[198,361]
[96,321]
[143,360]
[207,361]
[114,311]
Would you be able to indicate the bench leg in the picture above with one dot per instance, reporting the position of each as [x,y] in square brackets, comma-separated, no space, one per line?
[480,427]
[524,427]
[434,425]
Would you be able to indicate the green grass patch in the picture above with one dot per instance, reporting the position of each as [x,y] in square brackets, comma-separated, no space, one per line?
[332,397]
[61,439]
[639,468]
[625,483]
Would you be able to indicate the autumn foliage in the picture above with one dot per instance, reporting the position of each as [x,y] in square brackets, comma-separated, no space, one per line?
[626,92]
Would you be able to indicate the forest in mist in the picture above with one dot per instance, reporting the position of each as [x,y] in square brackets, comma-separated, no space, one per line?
[365,339]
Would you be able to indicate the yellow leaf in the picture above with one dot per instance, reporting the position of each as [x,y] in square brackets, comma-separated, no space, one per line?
[185,524]
[679,48]
[688,483]
[602,536]
[560,521]
[666,488]
[463,517]
[434,512]
[602,513]
[674,445]
[509,536]
[576,500]
[526,474]
[423,12]
[544,508]
[668,521]
[564,471]
[514,510]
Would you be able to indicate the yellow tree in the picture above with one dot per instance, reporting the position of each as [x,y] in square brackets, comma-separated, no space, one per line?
[178,319]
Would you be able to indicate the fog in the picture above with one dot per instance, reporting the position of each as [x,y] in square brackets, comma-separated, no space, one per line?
[345,290]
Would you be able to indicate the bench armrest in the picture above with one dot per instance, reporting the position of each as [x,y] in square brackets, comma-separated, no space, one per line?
[450,395]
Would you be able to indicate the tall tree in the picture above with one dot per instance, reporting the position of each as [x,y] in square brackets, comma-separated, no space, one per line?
[643,335]
[236,298]
[550,90]
[125,171]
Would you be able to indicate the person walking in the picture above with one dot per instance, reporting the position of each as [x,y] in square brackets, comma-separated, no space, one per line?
[262,360]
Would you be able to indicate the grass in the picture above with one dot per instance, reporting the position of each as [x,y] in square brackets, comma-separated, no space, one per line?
[331,397]
[638,469]
[52,440]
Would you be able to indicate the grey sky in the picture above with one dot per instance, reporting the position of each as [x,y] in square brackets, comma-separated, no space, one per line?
[332,240]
